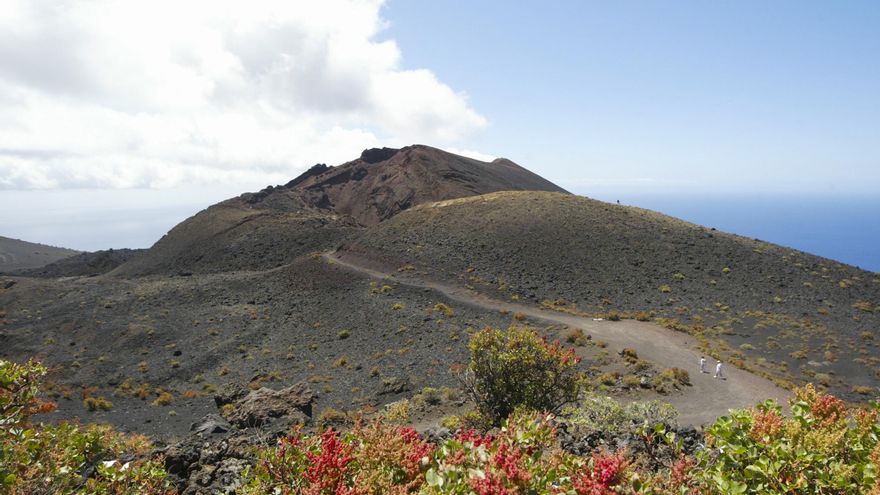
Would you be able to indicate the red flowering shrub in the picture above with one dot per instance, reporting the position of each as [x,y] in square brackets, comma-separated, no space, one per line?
[601,475]
[523,457]
[822,448]
[326,471]
[373,459]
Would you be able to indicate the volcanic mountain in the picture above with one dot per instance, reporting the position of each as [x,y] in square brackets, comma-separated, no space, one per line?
[322,206]
[366,279]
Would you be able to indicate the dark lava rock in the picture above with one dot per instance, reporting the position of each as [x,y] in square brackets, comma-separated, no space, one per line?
[262,405]
[229,393]
[394,385]
[210,425]
[376,155]
[436,434]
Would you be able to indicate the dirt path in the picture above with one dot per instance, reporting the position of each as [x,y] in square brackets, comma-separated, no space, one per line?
[700,403]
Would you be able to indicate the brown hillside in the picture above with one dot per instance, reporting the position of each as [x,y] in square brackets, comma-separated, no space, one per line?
[383,182]
[317,210]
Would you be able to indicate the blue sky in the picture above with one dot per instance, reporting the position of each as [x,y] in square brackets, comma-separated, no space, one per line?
[664,96]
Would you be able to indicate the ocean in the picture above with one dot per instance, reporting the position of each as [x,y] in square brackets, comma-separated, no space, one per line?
[842,228]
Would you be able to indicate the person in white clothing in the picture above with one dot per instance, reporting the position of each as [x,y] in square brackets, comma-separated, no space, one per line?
[718,373]
[702,364]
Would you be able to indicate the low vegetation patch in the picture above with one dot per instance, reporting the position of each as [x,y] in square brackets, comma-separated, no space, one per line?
[66,458]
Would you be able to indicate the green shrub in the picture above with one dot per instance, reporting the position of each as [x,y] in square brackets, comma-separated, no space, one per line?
[608,379]
[823,448]
[429,396]
[595,413]
[632,381]
[330,417]
[517,368]
[670,379]
[40,458]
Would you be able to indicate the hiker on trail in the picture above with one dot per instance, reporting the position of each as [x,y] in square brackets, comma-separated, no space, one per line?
[702,364]
[718,373]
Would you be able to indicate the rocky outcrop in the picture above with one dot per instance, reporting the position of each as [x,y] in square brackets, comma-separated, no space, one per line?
[263,405]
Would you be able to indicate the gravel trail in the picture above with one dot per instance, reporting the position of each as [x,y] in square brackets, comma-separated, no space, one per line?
[702,402]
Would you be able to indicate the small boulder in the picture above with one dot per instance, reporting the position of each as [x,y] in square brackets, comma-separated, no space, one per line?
[394,385]
[210,425]
[262,405]
[228,394]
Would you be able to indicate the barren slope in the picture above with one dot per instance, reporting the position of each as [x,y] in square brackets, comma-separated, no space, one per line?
[251,232]
[793,315]
[83,264]
[16,254]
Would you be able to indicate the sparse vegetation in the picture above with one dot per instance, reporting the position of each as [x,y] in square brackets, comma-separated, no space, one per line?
[97,404]
[443,309]
[165,398]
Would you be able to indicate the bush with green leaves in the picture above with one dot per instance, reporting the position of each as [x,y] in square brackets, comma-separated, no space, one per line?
[596,413]
[824,447]
[517,368]
[66,458]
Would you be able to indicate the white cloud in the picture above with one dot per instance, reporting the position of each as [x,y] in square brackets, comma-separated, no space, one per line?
[122,94]
[476,155]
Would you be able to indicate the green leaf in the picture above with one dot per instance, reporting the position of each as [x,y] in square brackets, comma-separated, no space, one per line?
[433,478]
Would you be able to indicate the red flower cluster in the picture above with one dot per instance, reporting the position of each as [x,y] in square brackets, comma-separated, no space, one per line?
[765,424]
[606,473]
[327,469]
[828,409]
[566,356]
[680,475]
[418,450]
[508,460]
[491,484]
[474,438]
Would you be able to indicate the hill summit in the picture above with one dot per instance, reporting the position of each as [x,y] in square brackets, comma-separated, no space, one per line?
[386,181]
[324,205]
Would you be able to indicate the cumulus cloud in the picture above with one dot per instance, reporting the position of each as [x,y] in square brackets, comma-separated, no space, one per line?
[122,94]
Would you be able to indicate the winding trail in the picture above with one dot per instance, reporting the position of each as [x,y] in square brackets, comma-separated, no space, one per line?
[702,402]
